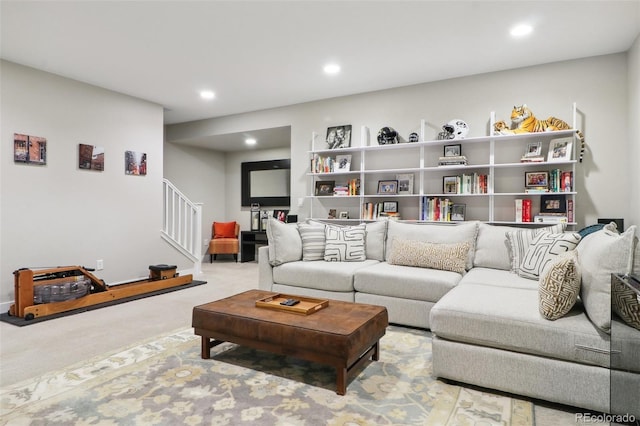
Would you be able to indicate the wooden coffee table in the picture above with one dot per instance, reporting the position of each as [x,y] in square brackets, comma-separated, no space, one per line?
[344,335]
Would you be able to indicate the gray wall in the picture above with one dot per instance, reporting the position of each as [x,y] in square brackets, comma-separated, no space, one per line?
[599,85]
[60,215]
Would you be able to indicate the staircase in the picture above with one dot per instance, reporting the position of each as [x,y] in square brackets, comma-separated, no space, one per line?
[182,224]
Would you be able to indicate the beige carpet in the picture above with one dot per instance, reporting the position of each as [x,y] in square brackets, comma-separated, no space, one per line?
[29,352]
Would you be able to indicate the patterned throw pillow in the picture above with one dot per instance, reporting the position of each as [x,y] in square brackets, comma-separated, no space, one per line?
[446,257]
[543,249]
[518,242]
[559,286]
[625,303]
[344,243]
[313,241]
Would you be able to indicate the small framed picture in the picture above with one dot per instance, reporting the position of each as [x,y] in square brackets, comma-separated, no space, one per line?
[332,214]
[405,183]
[280,215]
[560,149]
[450,184]
[390,207]
[534,149]
[343,163]
[536,179]
[343,215]
[458,212]
[339,136]
[387,187]
[325,187]
[556,203]
[452,150]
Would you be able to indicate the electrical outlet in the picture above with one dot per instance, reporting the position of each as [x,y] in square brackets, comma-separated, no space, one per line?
[99,265]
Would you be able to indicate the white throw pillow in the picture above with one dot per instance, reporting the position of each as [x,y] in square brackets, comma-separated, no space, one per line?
[518,242]
[313,241]
[422,254]
[285,244]
[345,243]
[559,286]
[602,253]
[543,249]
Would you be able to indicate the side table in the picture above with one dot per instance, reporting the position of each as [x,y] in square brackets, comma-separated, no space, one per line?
[249,241]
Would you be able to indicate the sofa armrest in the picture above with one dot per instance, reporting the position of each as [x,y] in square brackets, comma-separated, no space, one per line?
[265,270]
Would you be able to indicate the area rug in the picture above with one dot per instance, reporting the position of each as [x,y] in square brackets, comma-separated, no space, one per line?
[165,382]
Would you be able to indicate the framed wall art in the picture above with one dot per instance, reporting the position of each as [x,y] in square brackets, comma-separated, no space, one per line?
[339,136]
[90,157]
[135,163]
[29,149]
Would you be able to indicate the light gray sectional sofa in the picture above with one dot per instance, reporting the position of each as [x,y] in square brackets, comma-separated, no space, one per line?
[485,292]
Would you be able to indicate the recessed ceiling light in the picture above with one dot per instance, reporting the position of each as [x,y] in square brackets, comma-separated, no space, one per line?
[207,94]
[521,30]
[332,68]
[250,141]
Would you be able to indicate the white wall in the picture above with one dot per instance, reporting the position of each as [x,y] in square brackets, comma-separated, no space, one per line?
[634,133]
[60,215]
[599,85]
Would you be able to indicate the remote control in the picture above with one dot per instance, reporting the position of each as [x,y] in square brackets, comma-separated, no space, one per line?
[290,302]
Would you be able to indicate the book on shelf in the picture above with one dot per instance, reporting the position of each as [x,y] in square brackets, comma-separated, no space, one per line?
[536,190]
[518,217]
[550,218]
[435,209]
[526,210]
[536,159]
[466,184]
[570,216]
[453,161]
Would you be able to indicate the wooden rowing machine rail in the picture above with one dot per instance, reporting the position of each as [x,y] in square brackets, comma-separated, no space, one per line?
[26,280]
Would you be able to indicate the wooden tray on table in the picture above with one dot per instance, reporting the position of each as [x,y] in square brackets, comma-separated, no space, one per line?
[307,305]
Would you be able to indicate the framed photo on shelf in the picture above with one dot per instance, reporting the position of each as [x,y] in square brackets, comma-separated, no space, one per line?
[390,207]
[450,185]
[343,163]
[452,150]
[458,211]
[560,149]
[536,179]
[387,187]
[556,203]
[343,215]
[280,215]
[339,136]
[534,149]
[405,183]
[332,214]
[325,187]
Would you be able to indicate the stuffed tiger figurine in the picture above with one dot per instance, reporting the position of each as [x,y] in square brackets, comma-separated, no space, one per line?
[525,122]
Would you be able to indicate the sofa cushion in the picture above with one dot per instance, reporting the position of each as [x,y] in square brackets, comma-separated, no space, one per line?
[375,239]
[285,244]
[313,241]
[498,278]
[508,318]
[559,286]
[446,257]
[544,248]
[602,253]
[321,275]
[434,233]
[518,242]
[625,346]
[344,243]
[405,282]
[491,251]
[625,303]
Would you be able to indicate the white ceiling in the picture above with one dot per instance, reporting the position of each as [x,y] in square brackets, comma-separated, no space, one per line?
[263,54]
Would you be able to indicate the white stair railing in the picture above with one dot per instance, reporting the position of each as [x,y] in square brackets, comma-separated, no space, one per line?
[182,224]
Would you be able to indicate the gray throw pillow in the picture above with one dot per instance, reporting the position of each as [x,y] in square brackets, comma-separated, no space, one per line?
[285,244]
[313,241]
[602,253]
